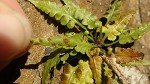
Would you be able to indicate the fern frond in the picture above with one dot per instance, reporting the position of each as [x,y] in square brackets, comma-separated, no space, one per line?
[77,41]
[137,63]
[55,10]
[68,76]
[95,64]
[67,42]
[113,11]
[80,74]
[69,14]
[84,73]
[51,62]
[85,16]
[113,30]
[133,34]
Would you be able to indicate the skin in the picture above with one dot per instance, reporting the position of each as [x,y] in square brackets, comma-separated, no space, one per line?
[15,32]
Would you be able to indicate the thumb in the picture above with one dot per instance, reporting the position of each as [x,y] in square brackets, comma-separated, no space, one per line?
[15,34]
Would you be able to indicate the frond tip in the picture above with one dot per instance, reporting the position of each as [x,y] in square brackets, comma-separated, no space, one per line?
[111,14]
[133,33]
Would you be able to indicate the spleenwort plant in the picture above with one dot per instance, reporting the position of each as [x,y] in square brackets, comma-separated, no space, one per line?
[89,55]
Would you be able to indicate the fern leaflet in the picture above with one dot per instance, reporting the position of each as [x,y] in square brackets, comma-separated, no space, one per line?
[133,33]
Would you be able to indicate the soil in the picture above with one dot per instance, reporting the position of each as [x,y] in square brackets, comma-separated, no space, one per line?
[28,69]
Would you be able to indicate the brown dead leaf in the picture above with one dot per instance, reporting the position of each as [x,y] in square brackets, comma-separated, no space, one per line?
[124,55]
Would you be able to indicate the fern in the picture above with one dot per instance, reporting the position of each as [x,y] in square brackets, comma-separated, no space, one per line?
[136,63]
[76,41]
[92,43]
[111,14]
[67,42]
[95,64]
[133,33]
[53,61]
[80,74]
[69,14]
[85,16]
[113,30]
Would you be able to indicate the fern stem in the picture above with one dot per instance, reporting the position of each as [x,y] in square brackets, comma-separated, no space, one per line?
[100,33]
[90,38]
[111,14]
[81,25]
[114,42]
[95,35]
[104,38]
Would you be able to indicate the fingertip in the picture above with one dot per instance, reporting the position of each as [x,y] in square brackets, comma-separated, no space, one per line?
[15,35]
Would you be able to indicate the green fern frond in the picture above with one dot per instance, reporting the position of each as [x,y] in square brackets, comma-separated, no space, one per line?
[84,46]
[137,63]
[50,63]
[91,41]
[55,10]
[86,76]
[77,41]
[69,14]
[85,16]
[133,33]
[67,42]
[111,14]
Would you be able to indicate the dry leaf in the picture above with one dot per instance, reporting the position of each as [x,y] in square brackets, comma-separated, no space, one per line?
[124,55]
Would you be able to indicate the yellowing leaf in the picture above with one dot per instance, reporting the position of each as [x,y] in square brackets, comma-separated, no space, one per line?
[110,31]
[95,64]
[114,30]
[124,55]
[80,74]
[84,73]
[68,75]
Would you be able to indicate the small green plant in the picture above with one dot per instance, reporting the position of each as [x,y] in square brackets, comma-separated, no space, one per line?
[89,53]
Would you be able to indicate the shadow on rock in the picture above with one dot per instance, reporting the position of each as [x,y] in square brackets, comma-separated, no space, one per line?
[12,71]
